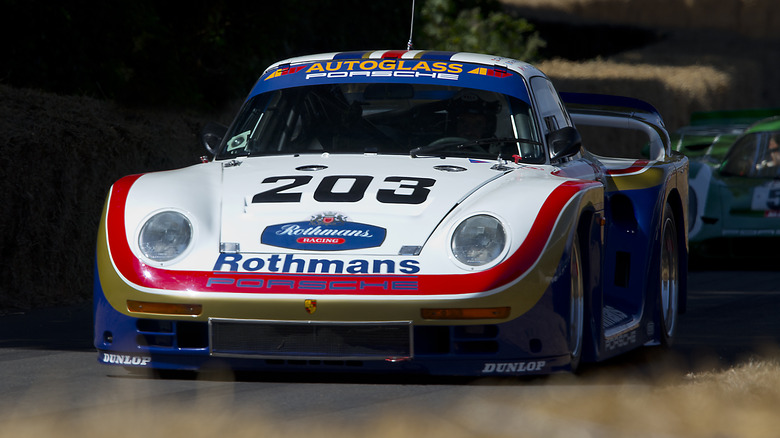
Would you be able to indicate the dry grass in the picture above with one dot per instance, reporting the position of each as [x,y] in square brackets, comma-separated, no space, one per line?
[676,91]
[739,402]
[691,82]
[712,54]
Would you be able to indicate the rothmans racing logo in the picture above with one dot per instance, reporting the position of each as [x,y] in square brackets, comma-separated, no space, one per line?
[324,232]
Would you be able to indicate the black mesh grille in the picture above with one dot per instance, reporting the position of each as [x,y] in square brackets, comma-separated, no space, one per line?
[295,340]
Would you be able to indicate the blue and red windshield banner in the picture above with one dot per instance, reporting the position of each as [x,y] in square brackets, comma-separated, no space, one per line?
[435,70]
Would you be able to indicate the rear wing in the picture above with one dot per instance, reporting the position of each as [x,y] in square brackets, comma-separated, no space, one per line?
[600,110]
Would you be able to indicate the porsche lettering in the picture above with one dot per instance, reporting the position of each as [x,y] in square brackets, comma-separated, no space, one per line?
[260,283]
[622,340]
[396,74]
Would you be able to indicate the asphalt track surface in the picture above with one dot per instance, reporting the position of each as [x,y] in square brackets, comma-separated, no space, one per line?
[48,365]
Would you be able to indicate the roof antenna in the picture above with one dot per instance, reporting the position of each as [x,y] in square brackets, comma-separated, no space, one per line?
[411,31]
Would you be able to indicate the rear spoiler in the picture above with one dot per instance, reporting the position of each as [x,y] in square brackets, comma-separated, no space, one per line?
[620,112]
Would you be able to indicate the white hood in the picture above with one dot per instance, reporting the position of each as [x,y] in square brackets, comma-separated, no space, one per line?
[370,204]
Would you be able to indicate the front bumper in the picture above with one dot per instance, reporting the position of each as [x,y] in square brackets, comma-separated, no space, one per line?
[530,344]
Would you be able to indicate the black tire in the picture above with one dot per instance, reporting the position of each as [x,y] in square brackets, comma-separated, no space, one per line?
[669,278]
[576,306]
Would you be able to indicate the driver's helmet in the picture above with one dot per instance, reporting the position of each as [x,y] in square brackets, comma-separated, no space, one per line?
[473,113]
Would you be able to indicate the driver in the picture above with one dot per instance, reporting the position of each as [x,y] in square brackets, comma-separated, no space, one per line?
[774,150]
[473,115]
[770,165]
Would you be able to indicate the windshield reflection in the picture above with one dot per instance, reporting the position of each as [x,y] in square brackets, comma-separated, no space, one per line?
[383,119]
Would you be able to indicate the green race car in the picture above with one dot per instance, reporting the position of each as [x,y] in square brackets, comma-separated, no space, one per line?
[734,183]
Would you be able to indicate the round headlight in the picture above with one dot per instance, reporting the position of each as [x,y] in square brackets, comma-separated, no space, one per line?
[165,236]
[478,240]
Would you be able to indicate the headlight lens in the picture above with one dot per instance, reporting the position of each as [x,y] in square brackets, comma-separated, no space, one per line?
[165,236]
[478,240]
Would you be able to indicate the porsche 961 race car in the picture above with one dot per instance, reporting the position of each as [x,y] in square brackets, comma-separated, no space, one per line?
[398,212]
[734,190]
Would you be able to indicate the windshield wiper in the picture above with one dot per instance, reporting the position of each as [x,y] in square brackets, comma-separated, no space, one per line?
[460,143]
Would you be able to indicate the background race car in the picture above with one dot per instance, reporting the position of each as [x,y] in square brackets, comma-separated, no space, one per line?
[399,211]
[734,183]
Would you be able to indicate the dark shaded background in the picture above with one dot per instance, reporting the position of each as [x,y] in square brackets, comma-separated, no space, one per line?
[151,52]
[186,53]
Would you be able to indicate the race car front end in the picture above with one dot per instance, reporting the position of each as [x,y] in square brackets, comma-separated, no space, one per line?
[482,289]
[389,211]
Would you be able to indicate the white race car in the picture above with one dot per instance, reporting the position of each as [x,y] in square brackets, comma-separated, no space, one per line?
[398,211]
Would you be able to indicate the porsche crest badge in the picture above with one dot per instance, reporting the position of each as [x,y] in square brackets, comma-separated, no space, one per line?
[310,305]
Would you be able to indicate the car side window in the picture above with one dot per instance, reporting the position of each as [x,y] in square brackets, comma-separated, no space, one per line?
[754,155]
[551,109]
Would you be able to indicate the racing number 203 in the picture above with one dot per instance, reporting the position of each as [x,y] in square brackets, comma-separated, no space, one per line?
[351,188]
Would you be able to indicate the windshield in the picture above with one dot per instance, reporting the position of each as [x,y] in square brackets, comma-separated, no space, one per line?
[755,155]
[385,118]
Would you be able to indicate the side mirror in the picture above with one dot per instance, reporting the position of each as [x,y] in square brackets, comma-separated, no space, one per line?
[564,142]
[211,136]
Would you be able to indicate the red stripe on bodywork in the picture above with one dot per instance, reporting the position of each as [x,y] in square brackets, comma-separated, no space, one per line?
[143,275]
[394,53]
[637,166]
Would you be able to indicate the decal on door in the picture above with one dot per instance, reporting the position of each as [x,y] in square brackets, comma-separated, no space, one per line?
[766,197]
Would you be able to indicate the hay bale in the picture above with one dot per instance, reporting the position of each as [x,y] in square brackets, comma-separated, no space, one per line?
[65,152]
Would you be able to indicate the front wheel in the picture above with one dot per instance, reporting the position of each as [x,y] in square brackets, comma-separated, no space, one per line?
[669,277]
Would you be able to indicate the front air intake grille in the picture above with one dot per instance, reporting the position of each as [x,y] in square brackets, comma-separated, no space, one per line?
[311,340]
